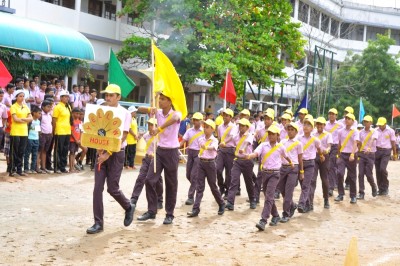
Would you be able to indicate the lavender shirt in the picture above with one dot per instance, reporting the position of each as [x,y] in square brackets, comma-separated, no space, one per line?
[169,137]
[385,137]
[7,99]
[248,140]
[212,153]
[146,137]
[342,136]
[294,153]
[343,121]
[232,132]
[310,152]
[329,126]
[370,144]
[45,124]
[188,136]
[300,125]
[127,122]
[325,140]
[260,134]
[3,113]
[274,161]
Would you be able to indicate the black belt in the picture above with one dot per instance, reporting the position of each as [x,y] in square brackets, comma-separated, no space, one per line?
[163,148]
[288,165]
[270,170]
[242,159]
[383,149]
[207,160]
[309,160]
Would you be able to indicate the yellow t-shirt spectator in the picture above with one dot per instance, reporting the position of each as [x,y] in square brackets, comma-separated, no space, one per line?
[63,114]
[130,139]
[19,129]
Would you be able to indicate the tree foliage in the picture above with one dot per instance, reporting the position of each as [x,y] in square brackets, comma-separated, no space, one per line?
[374,75]
[203,38]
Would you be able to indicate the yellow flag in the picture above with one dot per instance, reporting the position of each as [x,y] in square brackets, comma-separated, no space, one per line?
[167,81]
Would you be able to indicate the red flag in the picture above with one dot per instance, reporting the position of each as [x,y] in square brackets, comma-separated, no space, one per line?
[230,90]
[5,76]
[395,112]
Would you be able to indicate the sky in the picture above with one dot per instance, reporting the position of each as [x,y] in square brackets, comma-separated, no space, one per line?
[384,3]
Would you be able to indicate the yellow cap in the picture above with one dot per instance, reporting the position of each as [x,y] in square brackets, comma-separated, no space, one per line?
[198,116]
[289,112]
[286,116]
[244,122]
[368,118]
[349,109]
[228,112]
[351,116]
[272,111]
[112,88]
[210,123]
[309,119]
[333,110]
[152,121]
[320,120]
[381,121]
[274,129]
[303,111]
[245,112]
[269,114]
[294,125]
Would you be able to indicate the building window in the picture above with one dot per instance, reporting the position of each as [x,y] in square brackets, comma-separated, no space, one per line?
[110,10]
[345,30]
[334,28]
[292,2]
[325,23]
[95,7]
[395,35]
[303,12]
[373,31]
[64,3]
[314,18]
[131,19]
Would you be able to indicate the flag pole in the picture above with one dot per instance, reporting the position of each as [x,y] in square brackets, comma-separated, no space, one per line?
[153,104]
[226,86]
[359,112]
[392,113]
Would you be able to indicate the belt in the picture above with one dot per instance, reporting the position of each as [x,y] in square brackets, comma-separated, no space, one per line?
[227,148]
[334,145]
[242,159]
[288,165]
[309,160]
[271,170]
[207,160]
[163,148]
[383,149]
[149,156]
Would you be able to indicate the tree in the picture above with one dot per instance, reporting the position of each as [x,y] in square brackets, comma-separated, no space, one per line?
[205,37]
[373,75]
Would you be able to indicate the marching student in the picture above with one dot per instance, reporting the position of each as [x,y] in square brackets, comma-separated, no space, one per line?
[302,114]
[285,120]
[311,145]
[207,169]
[348,138]
[385,143]
[242,165]
[271,153]
[226,150]
[140,181]
[348,110]
[289,174]
[333,127]
[191,138]
[366,157]
[167,159]
[322,166]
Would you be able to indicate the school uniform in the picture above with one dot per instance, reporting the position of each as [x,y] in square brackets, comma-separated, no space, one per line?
[310,146]
[382,157]
[344,163]
[333,129]
[225,155]
[242,165]
[261,136]
[366,159]
[192,137]
[300,125]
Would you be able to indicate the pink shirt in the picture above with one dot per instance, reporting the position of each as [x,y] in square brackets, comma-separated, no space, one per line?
[209,153]
[150,149]
[293,154]
[300,125]
[39,95]
[252,128]
[385,137]
[229,135]
[284,134]
[342,136]
[7,100]
[260,134]
[354,126]
[32,94]
[309,153]
[274,161]
[188,136]
[334,130]
[169,137]
[84,98]
[3,113]
[74,99]
[247,141]
[127,122]
[45,123]
[370,144]
[325,138]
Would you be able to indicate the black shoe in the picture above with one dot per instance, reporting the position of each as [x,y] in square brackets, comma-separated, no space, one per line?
[310,208]
[221,209]
[353,200]
[284,219]
[12,174]
[133,201]
[238,193]
[253,205]
[360,196]
[274,221]
[193,213]
[129,215]
[189,201]
[96,228]
[326,204]
[292,210]
[277,195]
[146,216]
[347,187]
[261,225]
[302,209]
[339,198]
[229,206]
[168,219]
[160,205]
[383,193]
[50,168]
[330,193]
[374,192]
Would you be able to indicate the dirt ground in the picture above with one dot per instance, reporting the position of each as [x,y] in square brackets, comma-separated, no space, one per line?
[44,219]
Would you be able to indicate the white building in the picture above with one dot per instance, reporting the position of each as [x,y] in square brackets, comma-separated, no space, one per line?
[336,25]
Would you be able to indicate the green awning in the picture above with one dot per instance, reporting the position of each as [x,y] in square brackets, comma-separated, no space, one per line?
[43,38]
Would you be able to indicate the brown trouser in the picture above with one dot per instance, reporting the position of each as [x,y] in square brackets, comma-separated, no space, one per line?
[365,166]
[382,157]
[322,168]
[192,167]
[244,167]
[270,181]
[287,183]
[225,159]
[343,163]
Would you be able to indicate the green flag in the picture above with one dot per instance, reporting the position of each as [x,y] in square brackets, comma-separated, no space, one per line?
[116,75]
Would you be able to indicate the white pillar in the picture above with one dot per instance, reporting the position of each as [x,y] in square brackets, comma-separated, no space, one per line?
[320,21]
[290,102]
[308,15]
[329,25]
[203,100]
[75,77]
[296,10]
[365,33]
[275,106]
[66,82]
[78,5]
[118,20]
